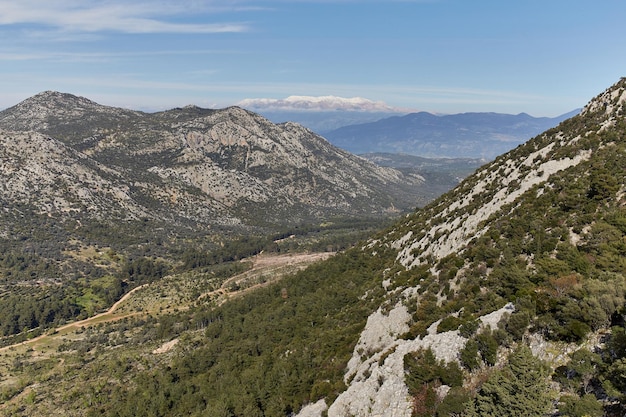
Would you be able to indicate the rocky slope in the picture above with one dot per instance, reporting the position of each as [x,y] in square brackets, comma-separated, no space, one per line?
[42,172]
[526,213]
[190,165]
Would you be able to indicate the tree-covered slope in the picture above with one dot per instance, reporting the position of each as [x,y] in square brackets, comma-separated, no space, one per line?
[534,245]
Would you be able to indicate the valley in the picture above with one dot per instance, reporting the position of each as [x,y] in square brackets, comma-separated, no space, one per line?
[503,296]
[312,208]
[264,270]
[170,295]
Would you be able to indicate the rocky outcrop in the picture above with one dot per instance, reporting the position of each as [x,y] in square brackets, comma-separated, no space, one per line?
[43,172]
[375,374]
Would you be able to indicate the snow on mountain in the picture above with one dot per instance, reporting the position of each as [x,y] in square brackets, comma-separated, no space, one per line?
[321,103]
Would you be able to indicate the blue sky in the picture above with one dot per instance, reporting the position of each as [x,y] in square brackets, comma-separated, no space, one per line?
[448,56]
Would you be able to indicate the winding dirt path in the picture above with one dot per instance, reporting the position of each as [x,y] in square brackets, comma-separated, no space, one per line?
[260,263]
[87,321]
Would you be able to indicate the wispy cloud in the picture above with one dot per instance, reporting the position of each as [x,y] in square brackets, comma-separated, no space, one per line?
[135,90]
[117,16]
[104,56]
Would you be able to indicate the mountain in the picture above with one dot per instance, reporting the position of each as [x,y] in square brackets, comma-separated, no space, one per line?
[318,103]
[465,135]
[321,121]
[321,114]
[187,167]
[505,296]
[142,193]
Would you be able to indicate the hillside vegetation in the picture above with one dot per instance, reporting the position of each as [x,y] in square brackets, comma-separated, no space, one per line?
[98,200]
[504,297]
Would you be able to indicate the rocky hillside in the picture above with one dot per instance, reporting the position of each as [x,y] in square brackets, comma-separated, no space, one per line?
[528,251]
[504,297]
[191,166]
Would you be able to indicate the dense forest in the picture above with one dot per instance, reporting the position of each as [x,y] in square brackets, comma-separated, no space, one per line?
[36,293]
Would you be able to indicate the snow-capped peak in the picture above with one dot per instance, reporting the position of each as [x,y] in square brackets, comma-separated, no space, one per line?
[319,103]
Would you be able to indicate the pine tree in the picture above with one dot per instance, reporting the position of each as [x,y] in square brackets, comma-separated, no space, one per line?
[520,389]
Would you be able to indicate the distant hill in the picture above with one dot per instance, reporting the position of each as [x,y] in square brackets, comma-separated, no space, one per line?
[441,174]
[321,121]
[465,135]
[462,166]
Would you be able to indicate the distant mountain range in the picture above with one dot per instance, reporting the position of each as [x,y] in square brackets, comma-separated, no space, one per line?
[363,126]
[322,121]
[465,135]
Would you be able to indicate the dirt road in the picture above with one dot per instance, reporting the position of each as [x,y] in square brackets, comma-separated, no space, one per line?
[260,263]
[85,322]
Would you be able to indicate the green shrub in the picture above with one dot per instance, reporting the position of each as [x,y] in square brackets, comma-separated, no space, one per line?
[519,389]
[517,324]
[468,328]
[488,347]
[448,324]
[454,403]
[587,406]
[469,355]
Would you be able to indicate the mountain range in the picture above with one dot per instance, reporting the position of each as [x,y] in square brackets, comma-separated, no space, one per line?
[188,166]
[323,121]
[363,126]
[505,296]
[464,135]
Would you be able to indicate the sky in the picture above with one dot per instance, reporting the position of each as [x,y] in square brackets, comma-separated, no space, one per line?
[543,57]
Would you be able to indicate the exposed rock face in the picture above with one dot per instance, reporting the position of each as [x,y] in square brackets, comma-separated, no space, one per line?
[193,165]
[44,172]
[375,374]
